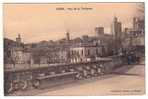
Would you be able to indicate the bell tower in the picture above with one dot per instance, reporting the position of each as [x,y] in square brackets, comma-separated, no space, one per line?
[18,40]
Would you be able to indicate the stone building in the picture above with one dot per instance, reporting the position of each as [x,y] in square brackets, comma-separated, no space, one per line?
[135,36]
[99,31]
[138,24]
[20,56]
[116,30]
[19,40]
[84,53]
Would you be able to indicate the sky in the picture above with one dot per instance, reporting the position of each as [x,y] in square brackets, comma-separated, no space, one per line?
[37,22]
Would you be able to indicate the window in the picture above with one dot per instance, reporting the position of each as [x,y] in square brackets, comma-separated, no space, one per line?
[96,51]
[88,52]
[71,52]
[82,52]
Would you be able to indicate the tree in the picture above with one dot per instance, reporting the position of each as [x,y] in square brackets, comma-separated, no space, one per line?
[141,10]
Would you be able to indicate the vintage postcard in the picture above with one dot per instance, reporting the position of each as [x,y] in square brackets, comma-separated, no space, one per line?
[74,49]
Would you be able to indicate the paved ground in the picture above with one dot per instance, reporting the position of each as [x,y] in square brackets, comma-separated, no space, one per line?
[129,82]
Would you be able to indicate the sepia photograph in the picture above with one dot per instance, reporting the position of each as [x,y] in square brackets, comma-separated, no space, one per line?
[74,49]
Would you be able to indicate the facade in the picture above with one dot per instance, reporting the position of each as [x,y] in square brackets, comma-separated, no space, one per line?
[63,55]
[20,56]
[43,60]
[116,27]
[67,36]
[50,55]
[84,53]
[135,36]
[116,30]
[99,31]
[138,24]
[18,40]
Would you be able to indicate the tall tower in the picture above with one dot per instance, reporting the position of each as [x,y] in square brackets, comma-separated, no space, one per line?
[67,36]
[116,30]
[116,27]
[18,39]
[134,23]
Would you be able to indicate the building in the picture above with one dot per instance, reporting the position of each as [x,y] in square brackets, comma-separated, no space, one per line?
[67,36]
[85,52]
[116,30]
[20,56]
[18,40]
[43,60]
[116,27]
[99,31]
[138,24]
[17,53]
[135,36]
[138,31]
[63,55]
